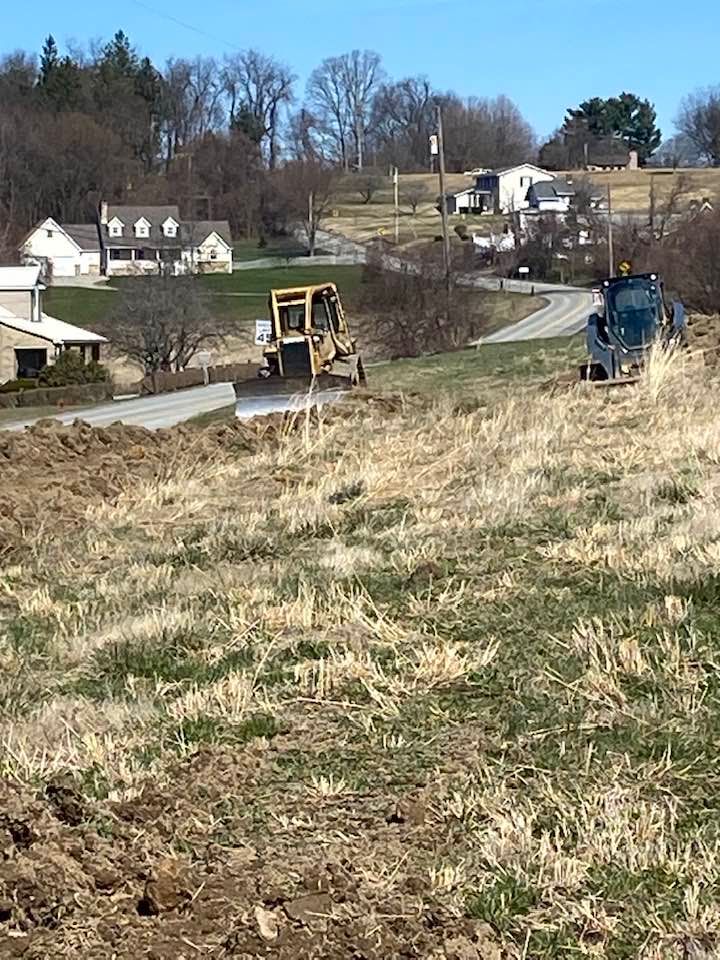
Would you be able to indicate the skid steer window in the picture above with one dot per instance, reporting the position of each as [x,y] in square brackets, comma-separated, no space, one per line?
[635,312]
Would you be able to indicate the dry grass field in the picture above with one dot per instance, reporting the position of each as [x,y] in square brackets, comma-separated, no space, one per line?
[362,222]
[434,675]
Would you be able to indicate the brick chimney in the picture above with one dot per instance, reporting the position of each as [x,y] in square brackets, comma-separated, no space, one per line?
[103,213]
[633,161]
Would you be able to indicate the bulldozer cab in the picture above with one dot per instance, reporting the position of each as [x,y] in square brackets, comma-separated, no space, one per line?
[310,335]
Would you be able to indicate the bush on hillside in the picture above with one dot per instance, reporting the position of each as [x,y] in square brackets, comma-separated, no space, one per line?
[70,369]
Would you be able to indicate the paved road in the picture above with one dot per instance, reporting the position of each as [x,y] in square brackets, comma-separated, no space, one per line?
[153,412]
[565,314]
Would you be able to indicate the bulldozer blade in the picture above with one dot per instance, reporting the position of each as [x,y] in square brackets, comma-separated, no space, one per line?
[258,397]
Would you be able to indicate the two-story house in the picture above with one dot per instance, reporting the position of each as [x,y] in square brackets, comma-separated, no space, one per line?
[498,191]
[143,239]
[130,240]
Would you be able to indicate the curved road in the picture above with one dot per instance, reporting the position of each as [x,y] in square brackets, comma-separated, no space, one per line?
[565,314]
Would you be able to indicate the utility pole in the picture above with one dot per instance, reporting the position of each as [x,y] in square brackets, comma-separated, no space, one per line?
[396,190]
[611,250]
[311,224]
[443,202]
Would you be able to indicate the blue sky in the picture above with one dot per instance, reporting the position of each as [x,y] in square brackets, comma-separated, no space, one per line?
[545,54]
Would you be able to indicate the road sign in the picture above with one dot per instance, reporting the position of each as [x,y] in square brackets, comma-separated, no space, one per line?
[263,332]
[434,148]
[624,268]
[524,270]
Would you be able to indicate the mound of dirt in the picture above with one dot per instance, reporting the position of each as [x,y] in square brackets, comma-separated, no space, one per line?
[51,472]
[704,337]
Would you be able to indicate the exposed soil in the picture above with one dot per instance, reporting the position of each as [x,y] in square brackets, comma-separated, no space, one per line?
[93,881]
[51,472]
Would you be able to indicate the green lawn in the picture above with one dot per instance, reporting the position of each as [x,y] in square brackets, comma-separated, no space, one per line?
[92,308]
[86,308]
[280,247]
[469,371]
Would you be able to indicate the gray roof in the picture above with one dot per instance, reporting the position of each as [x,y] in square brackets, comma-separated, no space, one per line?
[191,232]
[546,190]
[196,231]
[130,215]
[85,235]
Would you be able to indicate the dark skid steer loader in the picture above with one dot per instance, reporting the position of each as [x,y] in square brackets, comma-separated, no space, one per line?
[631,316]
[309,351]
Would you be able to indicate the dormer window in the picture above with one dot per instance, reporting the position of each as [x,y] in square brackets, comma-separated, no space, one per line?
[170,228]
[142,228]
[116,227]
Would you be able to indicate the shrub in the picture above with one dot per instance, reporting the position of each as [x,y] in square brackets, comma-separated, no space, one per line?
[70,369]
[14,386]
[462,231]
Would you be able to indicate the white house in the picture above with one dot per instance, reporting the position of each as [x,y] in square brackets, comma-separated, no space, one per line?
[137,240]
[64,250]
[29,338]
[506,190]
[129,240]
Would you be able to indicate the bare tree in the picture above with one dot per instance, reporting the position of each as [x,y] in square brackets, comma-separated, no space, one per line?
[328,102]
[402,122]
[699,120]
[408,308]
[414,194]
[362,75]
[259,88]
[307,189]
[192,102]
[492,133]
[663,213]
[163,321]
[368,185]
[340,93]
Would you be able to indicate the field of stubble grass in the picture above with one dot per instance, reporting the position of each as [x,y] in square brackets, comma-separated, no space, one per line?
[431,679]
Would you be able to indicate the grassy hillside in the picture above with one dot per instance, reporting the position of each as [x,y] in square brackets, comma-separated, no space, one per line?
[367,221]
[423,678]
[241,295]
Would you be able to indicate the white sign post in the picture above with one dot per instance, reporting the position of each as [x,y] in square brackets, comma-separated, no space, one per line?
[263,332]
[434,146]
[204,361]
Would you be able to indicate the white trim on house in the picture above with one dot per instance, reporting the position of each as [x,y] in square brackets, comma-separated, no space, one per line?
[142,229]
[116,227]
[170,228]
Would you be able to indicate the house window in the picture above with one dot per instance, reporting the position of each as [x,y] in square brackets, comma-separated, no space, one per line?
[51,234]
[213,254]
[170,230]
[116,230]
[123,254]
[96,353]
[142,229]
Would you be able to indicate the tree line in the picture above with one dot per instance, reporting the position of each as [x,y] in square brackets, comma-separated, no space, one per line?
[235,138]
[220,136]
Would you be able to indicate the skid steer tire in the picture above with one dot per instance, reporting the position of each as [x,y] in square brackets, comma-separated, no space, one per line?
[594,372]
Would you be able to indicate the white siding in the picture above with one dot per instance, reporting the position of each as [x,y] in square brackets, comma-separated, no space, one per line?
[514,185]
[49,243]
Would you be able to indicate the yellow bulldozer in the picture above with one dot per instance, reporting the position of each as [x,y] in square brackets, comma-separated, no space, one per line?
[307,345]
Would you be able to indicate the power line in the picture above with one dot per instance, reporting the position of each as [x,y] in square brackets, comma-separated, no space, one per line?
[181,23]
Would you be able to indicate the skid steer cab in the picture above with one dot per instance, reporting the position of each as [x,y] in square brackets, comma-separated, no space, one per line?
[631,316]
